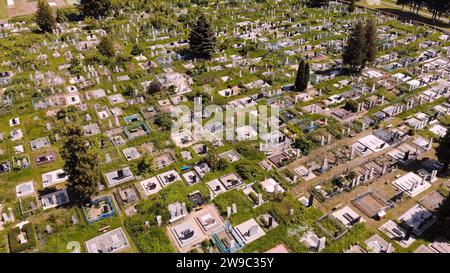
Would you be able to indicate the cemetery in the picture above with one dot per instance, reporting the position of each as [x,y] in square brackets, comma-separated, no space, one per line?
[355,149]
[109,242]
[99,209]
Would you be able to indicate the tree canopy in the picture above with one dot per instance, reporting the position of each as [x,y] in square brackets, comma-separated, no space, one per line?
[95,8]
[81,165]
[202,40]
[44,16]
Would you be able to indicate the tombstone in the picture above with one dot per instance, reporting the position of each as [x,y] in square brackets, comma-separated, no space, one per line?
[430,143]
[354,182]
[322,141]
[321,244]
[352,153]
[260,199]
[329,138]
[408,233]
[358,179]
[48,229]
[228,212]
[310,200]
[325,165]
[234,207]
[74,220]
[433,175]
[371,173]
[159,220]
[406,157]
[270,222]
[383,172]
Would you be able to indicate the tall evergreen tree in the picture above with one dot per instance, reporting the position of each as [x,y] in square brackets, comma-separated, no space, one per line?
[201,39]
[106,46]
[354,52]
[306,77]
[44,16]
[95,8]
[443,149]
[299,79]
[80,164]
[371,40]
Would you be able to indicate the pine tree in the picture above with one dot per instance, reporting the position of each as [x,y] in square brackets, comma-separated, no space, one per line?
[201,39]
[44,17]
[355,53]
[299,79]
[371,40]
[95,8]
[80,164]
[106,46]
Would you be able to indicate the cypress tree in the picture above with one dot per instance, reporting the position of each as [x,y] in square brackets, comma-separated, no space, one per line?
[371,40]
[355,53]
[299,79]
[201,39]
[305,77]
[44,17]
[80,164]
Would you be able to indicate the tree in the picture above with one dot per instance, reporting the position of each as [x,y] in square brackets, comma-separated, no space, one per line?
[215,162]
[354,55]
[371,40]
[61,16]
[443,150]
[305,81]
[351,105]
[44,17]
[164,121]
[154,87]
[145,165]
[201,39]
[81,165]
[95,8]
[318,3]
[136,50]
[304,144]
[352,6]
[106,46]
[403,3]
[299,79]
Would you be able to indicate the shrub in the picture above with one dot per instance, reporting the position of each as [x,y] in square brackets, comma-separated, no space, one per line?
[14,245]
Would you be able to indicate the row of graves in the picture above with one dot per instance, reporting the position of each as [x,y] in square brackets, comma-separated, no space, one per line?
[188,230]
[96,92]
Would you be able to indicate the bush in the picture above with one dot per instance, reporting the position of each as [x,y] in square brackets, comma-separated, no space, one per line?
[14,245]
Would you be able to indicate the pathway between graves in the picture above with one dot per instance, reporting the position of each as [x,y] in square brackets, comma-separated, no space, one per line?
[303,186]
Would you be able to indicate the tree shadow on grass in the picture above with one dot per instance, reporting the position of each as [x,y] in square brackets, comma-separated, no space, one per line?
[405,14]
